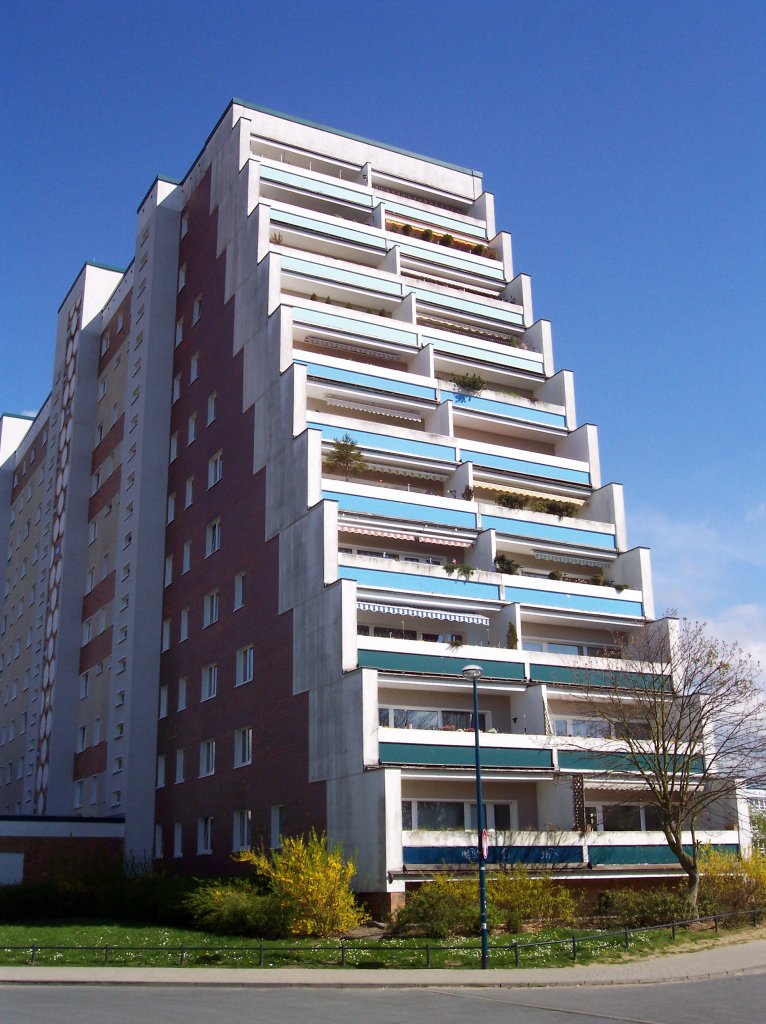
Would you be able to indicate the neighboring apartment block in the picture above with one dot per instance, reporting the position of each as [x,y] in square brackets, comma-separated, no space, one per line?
[210,633]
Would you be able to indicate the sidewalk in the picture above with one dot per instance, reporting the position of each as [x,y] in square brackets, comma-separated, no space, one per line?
[714,962]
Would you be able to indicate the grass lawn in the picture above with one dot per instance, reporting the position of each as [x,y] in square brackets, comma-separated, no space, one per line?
[133,945]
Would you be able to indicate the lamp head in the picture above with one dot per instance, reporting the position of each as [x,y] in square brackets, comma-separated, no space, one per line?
[472,671]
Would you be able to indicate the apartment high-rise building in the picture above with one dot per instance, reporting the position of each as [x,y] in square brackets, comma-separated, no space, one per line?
[213,630]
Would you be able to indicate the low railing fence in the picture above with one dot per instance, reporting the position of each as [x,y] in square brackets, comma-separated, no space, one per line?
[341,953]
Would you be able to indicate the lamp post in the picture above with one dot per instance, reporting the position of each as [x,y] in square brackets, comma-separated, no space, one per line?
[474,673]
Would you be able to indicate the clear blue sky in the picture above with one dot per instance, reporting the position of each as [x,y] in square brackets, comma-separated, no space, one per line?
[626,146]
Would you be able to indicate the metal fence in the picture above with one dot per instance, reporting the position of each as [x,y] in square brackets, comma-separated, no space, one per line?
[339,954]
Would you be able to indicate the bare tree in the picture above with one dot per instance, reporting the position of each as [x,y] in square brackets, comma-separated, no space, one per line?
[690,719]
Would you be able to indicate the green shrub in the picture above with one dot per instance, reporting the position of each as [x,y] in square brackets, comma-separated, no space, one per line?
[237,907]
[443,907]
[635,908]
[468,382]
[478,249]
[427,234]
[406,229]
[447,240]
[448,906]
[516,893]
[729,883]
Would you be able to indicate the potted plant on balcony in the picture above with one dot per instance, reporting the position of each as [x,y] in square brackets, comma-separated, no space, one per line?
[454,568]
[507,565]
[346,456]
[468,382]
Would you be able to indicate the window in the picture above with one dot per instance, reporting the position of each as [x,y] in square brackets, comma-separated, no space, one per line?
[179,331]
[194,368]
[95,737]
[92,530]
[197,309]
[120,322]
[168,570]
[116,765]
[157,841]
[184,224]
[243,747]
[182,693]
[160,771]
[204,835]
[79,788]
[171,508]
[116,797]
[604,817]
[586,727]
[454,815]
[188,491]
[242,835]
[173,447]
[206,758]
[119,698]
[165,634]
[211,407]
[245,664]
[209,681]
[276,826]
[211,608]
[184,624]
[163,712]
[239,590]
[179,765]
[80,739]
[214,468]
[90,580]
[181,276]
[414,718]
[104,344]
[213,537]
[191,429]
[101,389]
[178,839]
[186,560]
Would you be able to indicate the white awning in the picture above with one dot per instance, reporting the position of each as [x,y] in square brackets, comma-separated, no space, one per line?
[422,613]
[375,410]
[368,531]
[483,485]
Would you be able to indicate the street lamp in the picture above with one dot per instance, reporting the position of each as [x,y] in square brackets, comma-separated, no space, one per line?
[474,673]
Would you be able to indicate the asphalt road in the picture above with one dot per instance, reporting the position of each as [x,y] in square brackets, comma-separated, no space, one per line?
[731,1000]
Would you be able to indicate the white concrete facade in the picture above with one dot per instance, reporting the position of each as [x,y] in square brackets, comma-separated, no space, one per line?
[373,298]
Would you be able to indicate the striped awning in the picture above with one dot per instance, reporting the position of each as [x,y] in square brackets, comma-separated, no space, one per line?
[417,474]
[547,556]
[375,410]
[422,613]
[448,541]
[369,532]
[483,485]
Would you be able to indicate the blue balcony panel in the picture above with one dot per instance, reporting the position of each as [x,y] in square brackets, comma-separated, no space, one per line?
[387,442]
[446,587]
[340,231]
[337,275]
[585,676]
[546,531]
[475,403]
[509,359]
[541,469]
[437,664]
[392,385]
[402,510]
[608,856]
[480,309]
[438,219]
[371,328]
[447,258]
[464,757]
[417,856]
[616,761]
[573,602]
[325,188]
